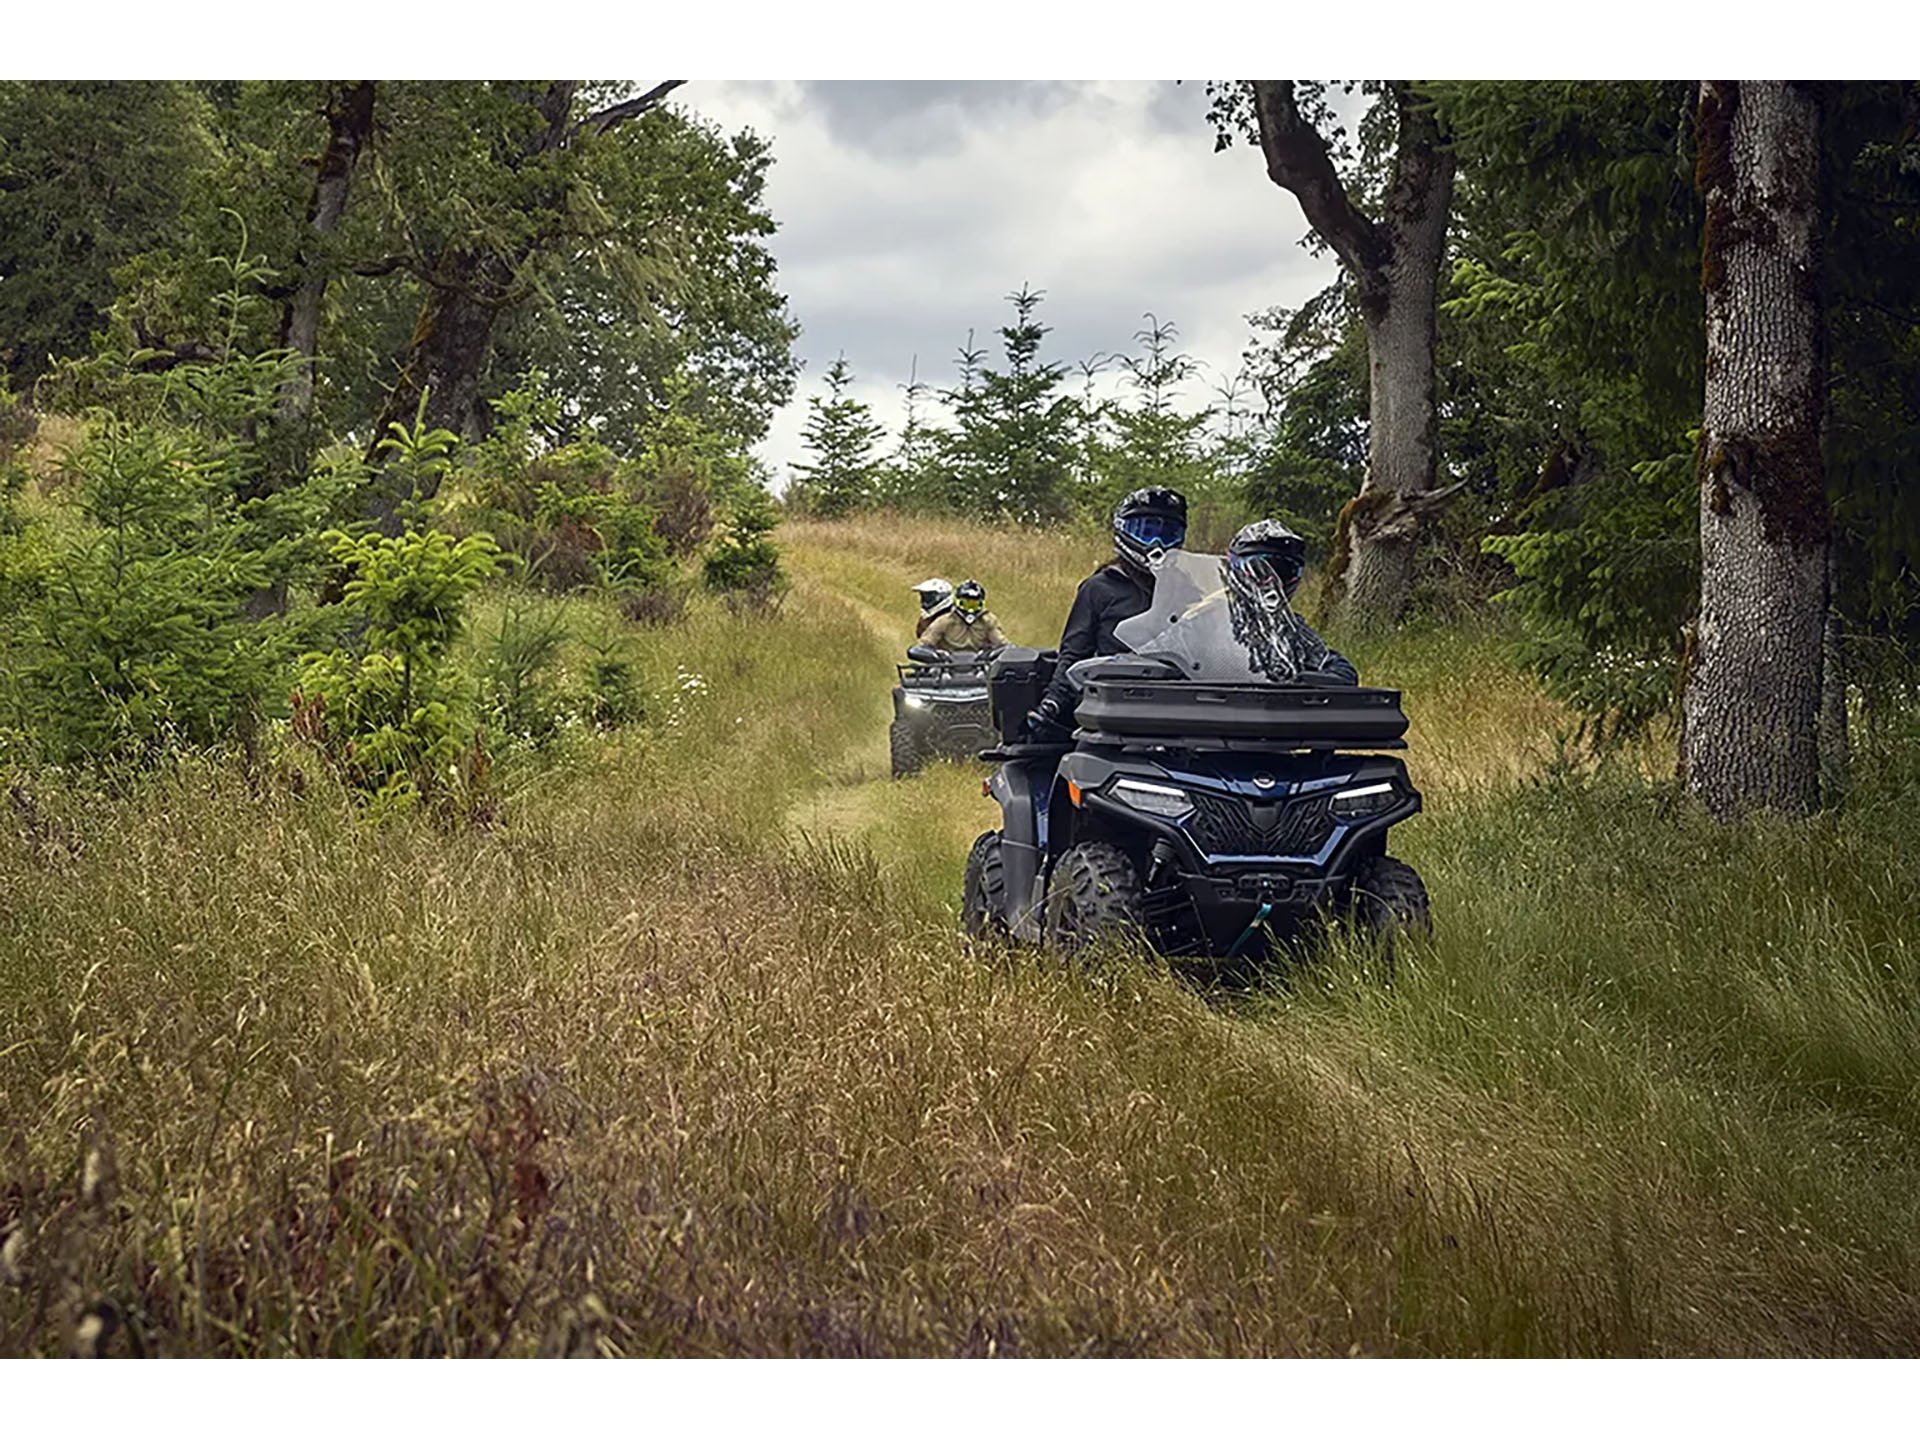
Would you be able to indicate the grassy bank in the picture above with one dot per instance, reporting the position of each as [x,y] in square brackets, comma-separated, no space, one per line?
[683,1057]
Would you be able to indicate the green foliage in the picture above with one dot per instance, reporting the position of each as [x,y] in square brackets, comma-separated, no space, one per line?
[1573,341]
[615,694]
[520,690]
[745,566]
[840,435]
[130,629]
[723,358]
[575,514]
[1311,454]
[91,174]
[1600,575]
[550,666]
[390,712]
[1153,441]
[1872,283]
[154,612]
[619,259]
[419,456]
[911,477]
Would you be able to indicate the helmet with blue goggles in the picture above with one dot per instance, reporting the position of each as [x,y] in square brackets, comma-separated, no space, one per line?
[1148,523]
[1265,562]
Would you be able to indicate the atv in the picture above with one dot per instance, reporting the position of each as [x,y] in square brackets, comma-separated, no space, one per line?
[1215,798]
[940,708]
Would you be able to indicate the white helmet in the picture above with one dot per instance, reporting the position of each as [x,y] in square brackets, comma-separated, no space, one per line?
[936,595]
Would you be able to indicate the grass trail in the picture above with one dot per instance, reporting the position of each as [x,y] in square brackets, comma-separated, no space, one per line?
[649,1069]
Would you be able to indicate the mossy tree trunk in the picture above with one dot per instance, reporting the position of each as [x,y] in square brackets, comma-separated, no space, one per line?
[469,285]
[349,127]
[1753,702]
[1395,263]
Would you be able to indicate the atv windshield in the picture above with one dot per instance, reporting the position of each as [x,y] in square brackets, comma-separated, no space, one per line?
[1216,630]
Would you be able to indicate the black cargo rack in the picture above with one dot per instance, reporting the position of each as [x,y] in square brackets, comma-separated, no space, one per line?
[1204,715]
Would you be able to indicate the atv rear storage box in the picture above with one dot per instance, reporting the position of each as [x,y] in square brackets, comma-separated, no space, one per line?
[1134,706]
[1018,678]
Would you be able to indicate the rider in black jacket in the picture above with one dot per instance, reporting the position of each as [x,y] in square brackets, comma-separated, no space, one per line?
[1146,525]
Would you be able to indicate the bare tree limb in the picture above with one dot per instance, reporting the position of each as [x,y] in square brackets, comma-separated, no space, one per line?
[1298,161]
[604,120]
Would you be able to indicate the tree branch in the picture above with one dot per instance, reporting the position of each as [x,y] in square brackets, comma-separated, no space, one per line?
[385,265]
[604,120]
[1298,161]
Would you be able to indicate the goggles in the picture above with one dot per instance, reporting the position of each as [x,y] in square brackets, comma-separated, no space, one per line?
[1154,531]
[1268,569]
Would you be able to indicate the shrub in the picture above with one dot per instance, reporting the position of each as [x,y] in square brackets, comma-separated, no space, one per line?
[392,716]
[745,567]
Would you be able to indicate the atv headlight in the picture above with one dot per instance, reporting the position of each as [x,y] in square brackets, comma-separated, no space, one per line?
[913,702]
[1363,800]
[1153,799]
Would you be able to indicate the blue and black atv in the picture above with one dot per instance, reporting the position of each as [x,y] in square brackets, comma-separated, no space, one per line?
[1215,798]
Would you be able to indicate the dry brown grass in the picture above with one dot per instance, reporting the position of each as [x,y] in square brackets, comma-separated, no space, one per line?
[641,1072]
[53,437]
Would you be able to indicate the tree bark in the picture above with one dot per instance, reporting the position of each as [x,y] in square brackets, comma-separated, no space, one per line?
[349,126]
[1753,700]
[1395,264]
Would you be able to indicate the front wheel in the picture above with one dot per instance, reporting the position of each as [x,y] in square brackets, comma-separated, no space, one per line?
[903,748]
[1093,896]
[983,906]
[1390,901]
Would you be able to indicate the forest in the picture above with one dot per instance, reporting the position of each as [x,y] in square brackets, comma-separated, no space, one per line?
[451,896]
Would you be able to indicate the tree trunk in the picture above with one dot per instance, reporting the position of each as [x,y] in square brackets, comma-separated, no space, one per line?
[349,124]
[1395,263]
[466,290]
[1384,521]
[444,359]
[1753,697]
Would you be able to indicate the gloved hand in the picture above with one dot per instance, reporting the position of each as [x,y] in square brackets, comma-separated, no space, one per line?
[1044,717]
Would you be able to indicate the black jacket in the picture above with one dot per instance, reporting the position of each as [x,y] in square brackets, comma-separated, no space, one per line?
[1105,598]
[1113,594]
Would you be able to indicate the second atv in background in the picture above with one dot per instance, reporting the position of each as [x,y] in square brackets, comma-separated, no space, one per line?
[940,709]
[940,706]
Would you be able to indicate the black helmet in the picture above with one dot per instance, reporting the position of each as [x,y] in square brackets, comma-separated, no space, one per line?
[935,596]
[1147,524]
[970,599]
[1265,562]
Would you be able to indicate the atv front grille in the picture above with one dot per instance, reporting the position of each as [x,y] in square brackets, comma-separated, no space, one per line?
[1229,825]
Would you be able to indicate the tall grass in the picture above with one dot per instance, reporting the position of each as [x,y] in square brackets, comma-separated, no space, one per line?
[684,1055]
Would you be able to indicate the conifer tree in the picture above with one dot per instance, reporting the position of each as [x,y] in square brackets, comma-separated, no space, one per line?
[1154,442]
[841,434]
[912,477]
[1017,428]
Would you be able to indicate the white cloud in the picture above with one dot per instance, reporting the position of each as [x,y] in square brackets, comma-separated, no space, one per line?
[908,212]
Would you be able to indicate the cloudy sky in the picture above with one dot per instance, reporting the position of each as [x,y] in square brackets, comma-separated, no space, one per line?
[908,210]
